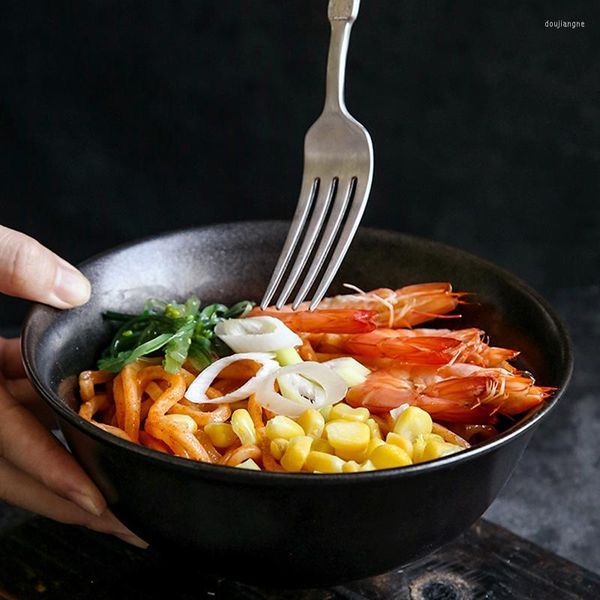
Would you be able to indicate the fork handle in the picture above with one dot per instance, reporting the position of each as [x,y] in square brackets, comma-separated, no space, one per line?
[341,14]
[343,10]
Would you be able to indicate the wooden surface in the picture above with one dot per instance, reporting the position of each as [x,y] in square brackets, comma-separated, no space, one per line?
[41,559]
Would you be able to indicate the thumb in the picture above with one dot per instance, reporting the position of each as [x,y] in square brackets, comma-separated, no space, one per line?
[29,270]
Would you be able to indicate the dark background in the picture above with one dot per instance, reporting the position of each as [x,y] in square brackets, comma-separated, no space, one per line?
[122,119]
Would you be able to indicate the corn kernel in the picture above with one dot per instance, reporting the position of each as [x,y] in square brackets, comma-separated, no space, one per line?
[347,413]
[183,422]
[313,422]
[375,429]
[412,422]
[242,424]
[283,427]
[296,453]
[436,449]
[321,445]
[278,447]
[350,466]
[325,410]
[373,443]
[324,463]
[248,464]
[221,434]
[432,450]
[419,444]
[367,466]
[430,437]
[400,441]
[388,456]
[358,455]
[349,438]
[452,448]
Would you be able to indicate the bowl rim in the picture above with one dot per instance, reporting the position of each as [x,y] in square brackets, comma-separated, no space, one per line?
[527,424]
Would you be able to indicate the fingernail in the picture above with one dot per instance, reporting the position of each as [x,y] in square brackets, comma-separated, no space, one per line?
[88,504]
[134,540]
[71,286]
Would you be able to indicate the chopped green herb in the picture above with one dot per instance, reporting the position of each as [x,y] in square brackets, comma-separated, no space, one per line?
[181,331]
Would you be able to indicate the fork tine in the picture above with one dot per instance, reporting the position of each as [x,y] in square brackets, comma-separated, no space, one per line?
[308,192]
[322,203]
[336,217]
[361,194]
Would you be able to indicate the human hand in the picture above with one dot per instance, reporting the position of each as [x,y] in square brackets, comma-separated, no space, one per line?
[36,472]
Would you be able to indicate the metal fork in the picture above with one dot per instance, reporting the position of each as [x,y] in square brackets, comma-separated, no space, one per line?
[338,170]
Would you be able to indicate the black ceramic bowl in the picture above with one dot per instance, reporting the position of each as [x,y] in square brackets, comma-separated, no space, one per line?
[288,529]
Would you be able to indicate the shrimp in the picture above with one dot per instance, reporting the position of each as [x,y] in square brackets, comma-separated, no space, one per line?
[460,393]
[404,307]
[510,393]
[336,320]
[363,311]
[493,356]
[401,344]
[381,392]
[416,346]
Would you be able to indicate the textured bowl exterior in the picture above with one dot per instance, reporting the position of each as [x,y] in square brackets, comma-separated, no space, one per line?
[288,529]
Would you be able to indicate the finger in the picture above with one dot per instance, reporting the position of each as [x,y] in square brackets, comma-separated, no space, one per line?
[11,367]
[11,363]
[18,488]
[31,271]
[22,391]
[25,443]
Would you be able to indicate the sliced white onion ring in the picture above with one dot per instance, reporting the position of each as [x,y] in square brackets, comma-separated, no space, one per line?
[256,334]
[197,390]
[299,389]
[334,389]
